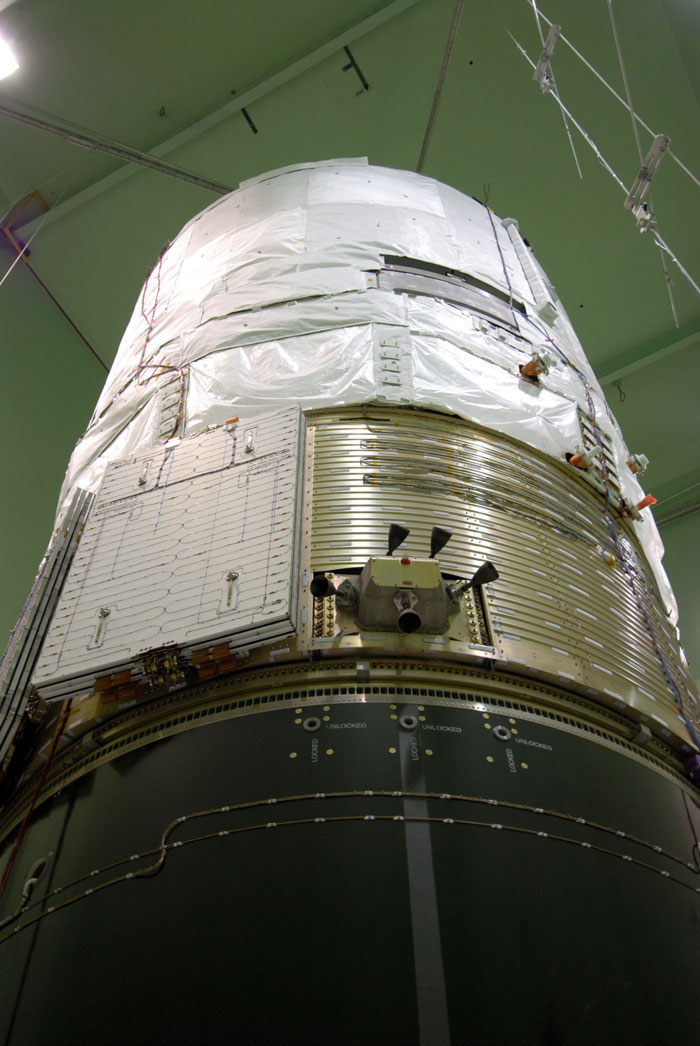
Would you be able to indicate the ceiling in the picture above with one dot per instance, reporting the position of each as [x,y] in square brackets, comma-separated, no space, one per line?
[177,79]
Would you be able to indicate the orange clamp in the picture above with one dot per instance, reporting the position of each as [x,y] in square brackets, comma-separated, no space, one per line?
[577,460]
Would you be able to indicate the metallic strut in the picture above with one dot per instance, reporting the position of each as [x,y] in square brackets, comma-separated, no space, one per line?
[98,143]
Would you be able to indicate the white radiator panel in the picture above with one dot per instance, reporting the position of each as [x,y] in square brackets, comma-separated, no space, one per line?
[190,543]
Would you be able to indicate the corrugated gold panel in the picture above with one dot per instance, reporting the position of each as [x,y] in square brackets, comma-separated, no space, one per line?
[566,604]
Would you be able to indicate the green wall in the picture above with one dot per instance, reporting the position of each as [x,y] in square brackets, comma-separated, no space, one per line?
[50,383]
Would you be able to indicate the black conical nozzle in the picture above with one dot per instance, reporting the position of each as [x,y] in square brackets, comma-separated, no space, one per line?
[486,572]
[321,586]
[438,539]
[397,535]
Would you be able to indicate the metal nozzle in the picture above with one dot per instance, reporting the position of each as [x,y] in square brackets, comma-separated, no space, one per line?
[486,572]
[321,586]
[397,535]
[438,539]
[409,619]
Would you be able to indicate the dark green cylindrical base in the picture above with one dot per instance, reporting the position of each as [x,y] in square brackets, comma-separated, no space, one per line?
[429,916]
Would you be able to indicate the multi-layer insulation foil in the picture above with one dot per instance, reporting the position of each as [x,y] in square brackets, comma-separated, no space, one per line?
[339,283]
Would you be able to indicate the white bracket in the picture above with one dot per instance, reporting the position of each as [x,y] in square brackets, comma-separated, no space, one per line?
[635,197]
[544,303]
[393,368]
[542,73]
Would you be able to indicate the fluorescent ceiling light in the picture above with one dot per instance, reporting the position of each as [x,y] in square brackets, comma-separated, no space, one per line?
[8,62]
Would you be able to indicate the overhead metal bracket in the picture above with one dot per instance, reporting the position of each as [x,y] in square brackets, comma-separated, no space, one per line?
[542,73]
[642,183]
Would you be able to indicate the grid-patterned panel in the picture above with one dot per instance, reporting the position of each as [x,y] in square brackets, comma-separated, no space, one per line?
[193,542]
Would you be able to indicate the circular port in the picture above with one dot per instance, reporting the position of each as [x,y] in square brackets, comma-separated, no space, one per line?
[408,722]
[409,621]
[312,724]
[320,586]
[502,733]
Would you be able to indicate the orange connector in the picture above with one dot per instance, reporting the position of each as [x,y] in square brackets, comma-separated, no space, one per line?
[577,460]
[529,369]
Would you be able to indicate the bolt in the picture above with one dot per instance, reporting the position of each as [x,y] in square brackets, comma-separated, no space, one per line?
[230,577]
[102,615]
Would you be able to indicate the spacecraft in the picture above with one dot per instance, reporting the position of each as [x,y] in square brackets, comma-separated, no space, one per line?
[348,703]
